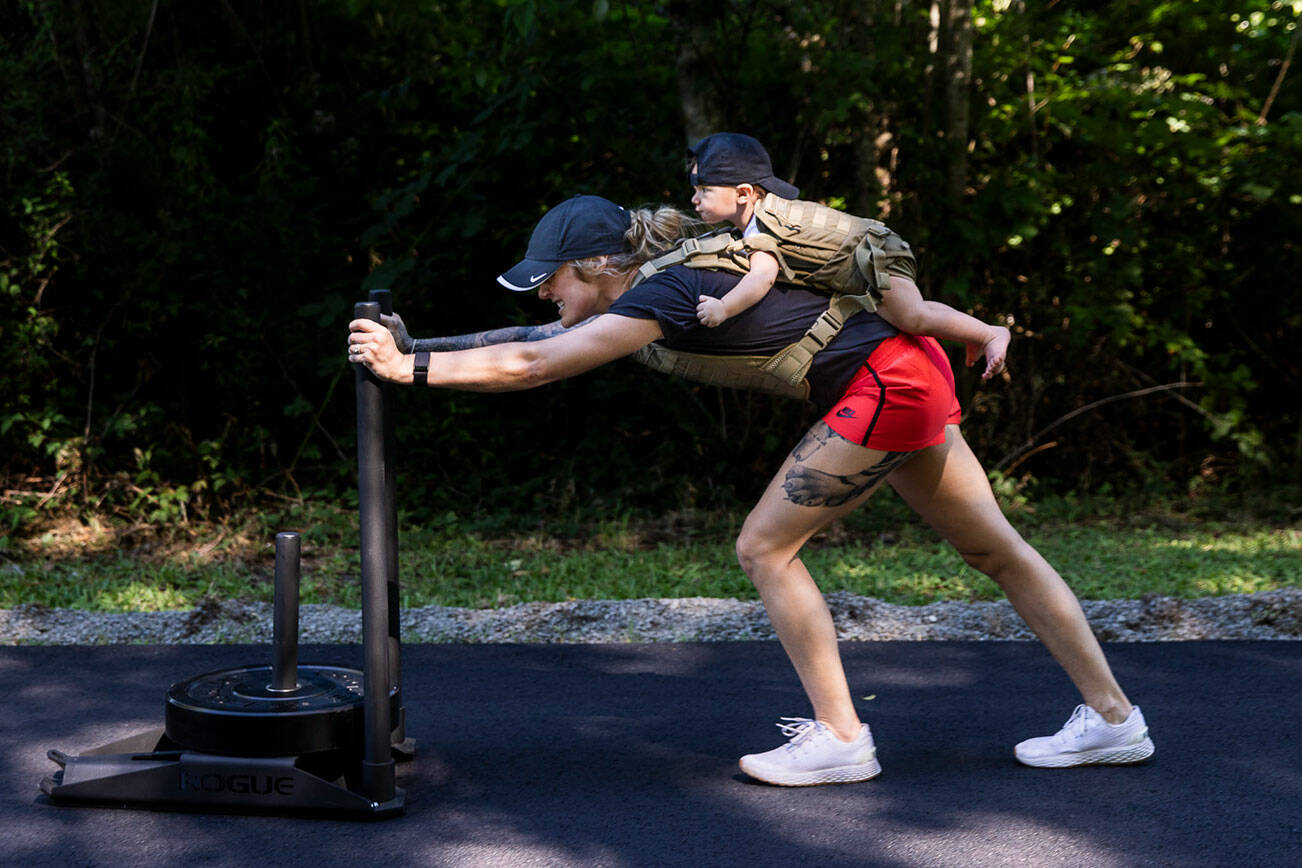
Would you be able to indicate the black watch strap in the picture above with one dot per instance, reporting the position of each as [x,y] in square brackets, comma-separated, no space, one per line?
[420,374]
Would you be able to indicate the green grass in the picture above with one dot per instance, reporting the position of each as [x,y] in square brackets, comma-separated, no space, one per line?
[883,553]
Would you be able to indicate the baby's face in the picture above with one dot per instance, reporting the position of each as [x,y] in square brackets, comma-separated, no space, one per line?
[716,204]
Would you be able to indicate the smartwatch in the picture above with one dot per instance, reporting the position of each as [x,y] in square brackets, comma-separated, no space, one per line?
[420,373]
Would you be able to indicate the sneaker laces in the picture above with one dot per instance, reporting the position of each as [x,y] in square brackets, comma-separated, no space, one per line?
[1076,724]
[797,729]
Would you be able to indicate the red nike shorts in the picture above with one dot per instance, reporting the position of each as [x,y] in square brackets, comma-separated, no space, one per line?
[901,399]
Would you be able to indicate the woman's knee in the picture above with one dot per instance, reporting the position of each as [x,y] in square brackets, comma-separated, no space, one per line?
[1002,560]
[757,552]
[983,561]
[750,550]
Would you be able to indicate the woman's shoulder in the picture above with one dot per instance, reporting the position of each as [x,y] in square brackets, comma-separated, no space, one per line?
[686,278]
[673,285]
[672,293]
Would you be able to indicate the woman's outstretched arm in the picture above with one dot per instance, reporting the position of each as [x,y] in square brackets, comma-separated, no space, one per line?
[509,334]
[510,366]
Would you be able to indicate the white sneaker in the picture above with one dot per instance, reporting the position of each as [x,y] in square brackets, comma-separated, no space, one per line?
[1087,739]
[814,755]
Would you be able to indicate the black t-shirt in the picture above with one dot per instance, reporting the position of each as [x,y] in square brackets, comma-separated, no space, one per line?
[781,317]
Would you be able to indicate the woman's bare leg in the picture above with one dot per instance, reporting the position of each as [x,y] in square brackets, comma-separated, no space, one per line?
[947,486]
[824,477]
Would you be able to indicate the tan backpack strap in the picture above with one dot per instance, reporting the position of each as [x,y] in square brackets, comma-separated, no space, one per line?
[738,372]
[686,250]
[882,253]
[791,364]
[870,259]
[765,243]
[785,373]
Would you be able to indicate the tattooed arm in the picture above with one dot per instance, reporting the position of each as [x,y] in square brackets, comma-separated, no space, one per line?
[504,367]
[408,344]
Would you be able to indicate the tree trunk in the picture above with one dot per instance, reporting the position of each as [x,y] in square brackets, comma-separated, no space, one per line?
[930,72]
[697,92]
[89,97]
[866,156]
[958,95]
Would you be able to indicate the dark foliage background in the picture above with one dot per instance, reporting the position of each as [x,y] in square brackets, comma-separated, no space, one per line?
[194,195]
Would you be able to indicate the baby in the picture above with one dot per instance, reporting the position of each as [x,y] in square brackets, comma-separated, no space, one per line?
[731,174]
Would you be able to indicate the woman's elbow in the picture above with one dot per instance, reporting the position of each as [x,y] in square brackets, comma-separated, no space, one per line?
[530,370]
[535,374]
[512,369]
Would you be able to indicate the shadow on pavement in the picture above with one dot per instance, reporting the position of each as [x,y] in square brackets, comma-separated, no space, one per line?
[626,755]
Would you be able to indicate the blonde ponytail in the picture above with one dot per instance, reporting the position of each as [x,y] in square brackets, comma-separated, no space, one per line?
[652,232]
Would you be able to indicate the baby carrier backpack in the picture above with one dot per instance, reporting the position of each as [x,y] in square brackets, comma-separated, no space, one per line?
[846,257]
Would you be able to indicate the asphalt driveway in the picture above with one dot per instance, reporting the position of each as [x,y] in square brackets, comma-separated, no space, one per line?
[625,755]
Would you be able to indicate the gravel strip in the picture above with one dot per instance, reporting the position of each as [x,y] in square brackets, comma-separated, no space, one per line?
[1267,615]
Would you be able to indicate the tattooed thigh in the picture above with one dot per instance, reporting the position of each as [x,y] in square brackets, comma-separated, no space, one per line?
[815,439]
[807,486]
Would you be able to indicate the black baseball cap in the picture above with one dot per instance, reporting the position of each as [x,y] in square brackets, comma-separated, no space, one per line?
[575,229]
[733,158]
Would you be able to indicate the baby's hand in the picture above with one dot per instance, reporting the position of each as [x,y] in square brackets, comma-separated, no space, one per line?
[710,311]
[995,350]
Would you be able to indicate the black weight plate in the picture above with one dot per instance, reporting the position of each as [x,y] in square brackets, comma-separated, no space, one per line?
[232,712]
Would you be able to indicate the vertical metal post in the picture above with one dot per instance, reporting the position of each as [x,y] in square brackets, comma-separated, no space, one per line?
[284,666]
[377,760]
[384,298]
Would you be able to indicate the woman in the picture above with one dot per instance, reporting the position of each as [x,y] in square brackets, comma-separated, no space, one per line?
[890,416]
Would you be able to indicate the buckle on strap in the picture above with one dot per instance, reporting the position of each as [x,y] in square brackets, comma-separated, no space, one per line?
[825,328]
[681,253]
